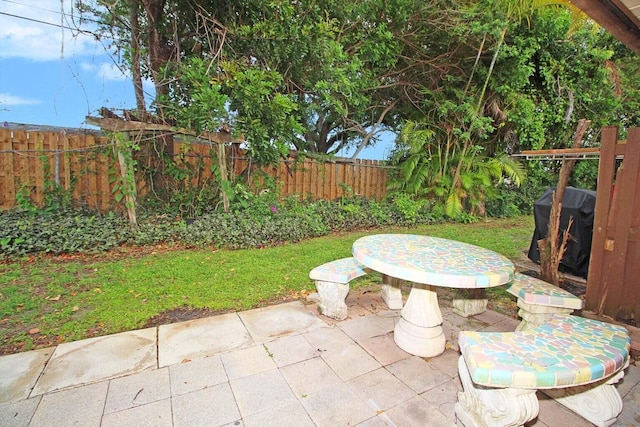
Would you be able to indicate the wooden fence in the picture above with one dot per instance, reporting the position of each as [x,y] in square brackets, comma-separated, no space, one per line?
[613,287]
[83,164]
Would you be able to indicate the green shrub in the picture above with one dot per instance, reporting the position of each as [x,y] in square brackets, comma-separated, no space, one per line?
[24,232]
[255,221]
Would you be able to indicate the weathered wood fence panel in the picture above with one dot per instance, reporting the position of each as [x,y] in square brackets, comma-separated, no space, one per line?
[309,178]
[84,163]
[33,162]
[613,287]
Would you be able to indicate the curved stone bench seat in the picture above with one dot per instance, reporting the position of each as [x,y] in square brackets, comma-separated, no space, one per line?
[539,300]
[332,282]
[574,360]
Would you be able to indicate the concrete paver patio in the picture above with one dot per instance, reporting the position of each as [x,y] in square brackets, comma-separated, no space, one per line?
[280,365]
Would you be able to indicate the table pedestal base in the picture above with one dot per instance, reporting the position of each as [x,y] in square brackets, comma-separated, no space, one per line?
[419,330]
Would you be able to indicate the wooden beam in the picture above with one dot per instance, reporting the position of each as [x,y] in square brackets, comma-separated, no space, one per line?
[117,125]
[616,18]
[558,151]
[576,153]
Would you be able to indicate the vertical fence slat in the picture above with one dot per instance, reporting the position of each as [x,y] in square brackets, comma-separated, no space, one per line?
[103,177]
[322,180]
[38,172]
[362,178]
[29,164]
[92,179]
[20,164]
[7,186]
[291,178]
[606,173]
[370,192]
[624,218]
[348,177]
[339,174]
[65,173]
[51,145]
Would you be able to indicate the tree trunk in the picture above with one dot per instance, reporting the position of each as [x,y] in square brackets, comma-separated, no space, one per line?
[159,49]
[551,250]
[134,8]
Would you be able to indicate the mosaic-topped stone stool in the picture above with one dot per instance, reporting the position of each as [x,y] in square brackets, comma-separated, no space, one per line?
[332,282]
[539,300]
[574,360]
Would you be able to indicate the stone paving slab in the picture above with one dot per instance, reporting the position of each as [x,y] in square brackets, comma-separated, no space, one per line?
[82,406]
[197,375]
[199,338]
[289,350]
[19,373]
[96,359]
[18,414]
[268,323]
[261,392]
[246,362]
[138,390]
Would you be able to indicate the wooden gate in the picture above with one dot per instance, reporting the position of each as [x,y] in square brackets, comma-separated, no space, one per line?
[613,285]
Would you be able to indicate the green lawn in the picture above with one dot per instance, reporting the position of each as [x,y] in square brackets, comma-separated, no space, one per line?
[48,300]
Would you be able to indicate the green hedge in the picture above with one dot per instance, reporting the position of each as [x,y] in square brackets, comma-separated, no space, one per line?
[259,224]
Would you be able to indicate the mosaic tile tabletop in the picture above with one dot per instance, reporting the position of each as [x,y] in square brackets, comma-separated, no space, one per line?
[433,260]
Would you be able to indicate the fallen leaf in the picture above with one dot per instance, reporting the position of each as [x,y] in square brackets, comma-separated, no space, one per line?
[75,308]
[34,331]
[56,298]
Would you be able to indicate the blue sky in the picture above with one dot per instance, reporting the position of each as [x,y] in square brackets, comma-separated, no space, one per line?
[50,75]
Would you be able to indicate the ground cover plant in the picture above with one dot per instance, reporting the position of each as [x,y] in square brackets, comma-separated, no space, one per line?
[45,300]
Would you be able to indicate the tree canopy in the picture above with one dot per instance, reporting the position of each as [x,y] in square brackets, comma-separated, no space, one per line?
[481,78]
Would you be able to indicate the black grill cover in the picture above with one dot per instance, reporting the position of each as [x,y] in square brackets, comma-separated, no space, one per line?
[579,204]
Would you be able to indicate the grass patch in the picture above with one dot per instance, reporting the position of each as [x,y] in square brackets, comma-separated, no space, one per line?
[48,300]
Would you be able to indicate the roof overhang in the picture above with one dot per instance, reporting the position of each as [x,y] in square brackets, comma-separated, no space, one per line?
[620,17]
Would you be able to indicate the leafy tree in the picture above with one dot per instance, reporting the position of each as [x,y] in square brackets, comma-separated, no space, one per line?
[350,68]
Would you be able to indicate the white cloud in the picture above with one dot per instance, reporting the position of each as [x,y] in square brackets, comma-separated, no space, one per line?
[7,99]
[110,71]
[88,67]
[21,36]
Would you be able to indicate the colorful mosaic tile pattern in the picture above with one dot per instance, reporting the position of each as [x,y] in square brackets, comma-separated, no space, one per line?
[565,351]
[538,292]
[339,271]
[433,261]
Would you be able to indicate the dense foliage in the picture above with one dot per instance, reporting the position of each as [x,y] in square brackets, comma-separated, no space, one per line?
[259,222]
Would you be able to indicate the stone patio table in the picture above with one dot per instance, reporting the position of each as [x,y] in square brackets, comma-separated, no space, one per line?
[429,262]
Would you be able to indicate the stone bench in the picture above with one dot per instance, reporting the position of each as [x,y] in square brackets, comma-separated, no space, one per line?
[574,360]
[332,282]
[539,300]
